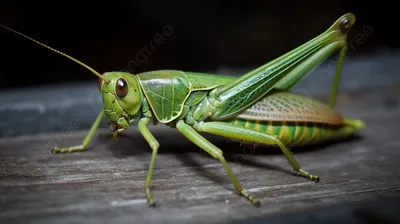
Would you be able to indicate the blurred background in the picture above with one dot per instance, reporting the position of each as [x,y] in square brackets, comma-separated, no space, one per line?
[42,92]
[205,35]
[40,89]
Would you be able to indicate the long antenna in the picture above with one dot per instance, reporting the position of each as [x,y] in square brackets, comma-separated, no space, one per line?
[57,51]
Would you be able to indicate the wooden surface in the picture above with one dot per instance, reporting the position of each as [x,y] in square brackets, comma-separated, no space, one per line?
[106,183]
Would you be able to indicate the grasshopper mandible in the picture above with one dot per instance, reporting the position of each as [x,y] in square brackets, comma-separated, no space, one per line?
[257,107]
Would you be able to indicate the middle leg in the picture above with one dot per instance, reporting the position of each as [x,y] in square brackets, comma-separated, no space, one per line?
[200,141]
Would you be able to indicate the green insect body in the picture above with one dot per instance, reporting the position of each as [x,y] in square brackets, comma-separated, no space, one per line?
[294,119]
[257,108]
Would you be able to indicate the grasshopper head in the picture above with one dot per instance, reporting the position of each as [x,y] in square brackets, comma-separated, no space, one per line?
[121,93]
[122,98]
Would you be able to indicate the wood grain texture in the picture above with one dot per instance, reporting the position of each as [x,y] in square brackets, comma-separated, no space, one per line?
[106,183]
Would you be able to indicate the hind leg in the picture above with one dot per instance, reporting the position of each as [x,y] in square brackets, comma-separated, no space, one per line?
[240,133]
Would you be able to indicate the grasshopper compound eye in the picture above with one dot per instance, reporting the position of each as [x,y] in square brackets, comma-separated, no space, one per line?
[122,88]
[345,25]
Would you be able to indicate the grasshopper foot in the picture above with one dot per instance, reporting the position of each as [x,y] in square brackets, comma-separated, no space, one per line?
[67,149]
[249,197]
[149,197]
[308,175]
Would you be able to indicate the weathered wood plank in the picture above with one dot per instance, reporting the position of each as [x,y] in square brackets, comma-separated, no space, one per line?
[106,182]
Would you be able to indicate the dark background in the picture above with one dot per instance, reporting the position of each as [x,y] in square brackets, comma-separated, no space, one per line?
[206,35]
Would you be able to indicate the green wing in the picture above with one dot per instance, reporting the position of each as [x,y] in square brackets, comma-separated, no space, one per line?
[202,81]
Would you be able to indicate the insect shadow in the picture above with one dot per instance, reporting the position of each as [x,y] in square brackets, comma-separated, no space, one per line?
[133,144]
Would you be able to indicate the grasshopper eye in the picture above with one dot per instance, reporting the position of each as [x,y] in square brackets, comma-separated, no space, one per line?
[122,88]
[99,83]
[345,25]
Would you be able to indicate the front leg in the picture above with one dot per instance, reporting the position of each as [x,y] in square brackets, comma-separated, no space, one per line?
[144,130]
[87,139]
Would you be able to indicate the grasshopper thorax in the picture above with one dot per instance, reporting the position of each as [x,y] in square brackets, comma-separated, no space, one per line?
[122,98]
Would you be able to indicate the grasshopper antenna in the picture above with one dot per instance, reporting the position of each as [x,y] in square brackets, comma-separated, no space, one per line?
[58,52]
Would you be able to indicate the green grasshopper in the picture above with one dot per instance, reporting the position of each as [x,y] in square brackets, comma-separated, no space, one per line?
[256,108]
